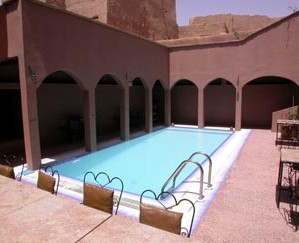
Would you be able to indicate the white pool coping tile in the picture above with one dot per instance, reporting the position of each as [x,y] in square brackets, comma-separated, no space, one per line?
[222,160]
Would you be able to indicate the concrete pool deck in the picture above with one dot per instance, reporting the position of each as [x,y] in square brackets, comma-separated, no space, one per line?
[244,209]
[221,160]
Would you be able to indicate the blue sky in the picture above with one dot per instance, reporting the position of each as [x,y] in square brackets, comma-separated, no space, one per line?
[273,8]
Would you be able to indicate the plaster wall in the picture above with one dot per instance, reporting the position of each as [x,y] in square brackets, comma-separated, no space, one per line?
[53,119]
[137,104]
[107,108]
[184,105]
[11,31]
[158,105]
[3,35]
[88,50]
[219,105]
[260,101]
[272,51]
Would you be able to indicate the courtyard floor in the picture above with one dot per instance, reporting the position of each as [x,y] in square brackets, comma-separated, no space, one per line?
[245,209]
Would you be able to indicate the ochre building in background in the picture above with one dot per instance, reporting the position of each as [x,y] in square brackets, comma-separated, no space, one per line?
[152,19]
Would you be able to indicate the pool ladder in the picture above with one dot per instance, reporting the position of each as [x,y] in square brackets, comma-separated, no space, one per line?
[179,169]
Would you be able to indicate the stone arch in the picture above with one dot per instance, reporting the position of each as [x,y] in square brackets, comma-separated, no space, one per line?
[264,95]
[60,112]
[219,103]
[62,76]
[108,104]
[161,82]
[184,103]
[139,81]
[158,104]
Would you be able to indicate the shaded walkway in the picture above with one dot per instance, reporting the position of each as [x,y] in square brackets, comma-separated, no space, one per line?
[244,209]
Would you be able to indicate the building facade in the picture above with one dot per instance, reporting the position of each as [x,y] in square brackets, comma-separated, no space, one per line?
[152,19]
[64,77]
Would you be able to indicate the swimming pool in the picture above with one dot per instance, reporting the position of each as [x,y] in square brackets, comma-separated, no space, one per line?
[147,162]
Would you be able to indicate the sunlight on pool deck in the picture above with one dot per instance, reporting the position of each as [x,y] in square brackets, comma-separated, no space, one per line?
[222,161]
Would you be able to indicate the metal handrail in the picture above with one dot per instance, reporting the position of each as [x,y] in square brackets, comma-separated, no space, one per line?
[210,165]
[178,171]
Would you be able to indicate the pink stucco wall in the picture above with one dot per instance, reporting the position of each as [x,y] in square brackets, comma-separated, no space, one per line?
[184,105]
[271,51]
[11,31]
[219,105]
[56,104]
[260,101]
[60,41]
[46,40]
[137,104]
[107,109]
[3,35]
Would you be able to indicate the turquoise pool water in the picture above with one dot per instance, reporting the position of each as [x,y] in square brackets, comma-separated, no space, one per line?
[147,162]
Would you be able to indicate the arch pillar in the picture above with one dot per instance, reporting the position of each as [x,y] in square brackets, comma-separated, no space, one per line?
[30,118]
[149,110]
[238,109]
[167,107]
[125,114]
[90,120]
[200,114]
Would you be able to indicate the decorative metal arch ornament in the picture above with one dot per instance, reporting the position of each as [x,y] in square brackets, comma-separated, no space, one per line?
[116,201]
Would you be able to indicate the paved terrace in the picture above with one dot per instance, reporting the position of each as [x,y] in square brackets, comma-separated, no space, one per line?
[243,211]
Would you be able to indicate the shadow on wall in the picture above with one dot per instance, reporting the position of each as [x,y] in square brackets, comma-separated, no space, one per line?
[184,104]
[60,119]
[219,104]
[262,98]
[3,35]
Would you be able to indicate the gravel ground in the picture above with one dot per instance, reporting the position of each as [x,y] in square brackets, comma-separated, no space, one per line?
[245,209]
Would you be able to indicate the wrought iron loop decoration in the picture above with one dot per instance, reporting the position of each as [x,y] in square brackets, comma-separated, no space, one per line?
[116,201]
[54,173]
[13,160]
[185,231]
